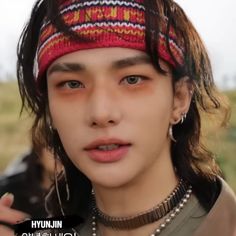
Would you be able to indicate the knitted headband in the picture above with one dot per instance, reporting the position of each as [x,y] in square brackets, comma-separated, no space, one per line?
[105,23]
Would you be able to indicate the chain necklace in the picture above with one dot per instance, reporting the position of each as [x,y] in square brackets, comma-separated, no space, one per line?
[152,215]
[174,212]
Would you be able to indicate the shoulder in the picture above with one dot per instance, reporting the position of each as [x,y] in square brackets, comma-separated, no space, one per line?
[224,208]
[14,178]
[19,174]
[12,183]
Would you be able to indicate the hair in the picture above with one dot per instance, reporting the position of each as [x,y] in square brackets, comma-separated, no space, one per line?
[192,160]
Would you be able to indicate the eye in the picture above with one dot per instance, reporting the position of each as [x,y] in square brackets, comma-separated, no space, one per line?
[73,84]
[133,79]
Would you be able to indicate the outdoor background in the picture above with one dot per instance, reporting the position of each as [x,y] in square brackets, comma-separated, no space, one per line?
[215,21]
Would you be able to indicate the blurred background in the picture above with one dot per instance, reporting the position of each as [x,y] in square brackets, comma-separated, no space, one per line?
[214,20]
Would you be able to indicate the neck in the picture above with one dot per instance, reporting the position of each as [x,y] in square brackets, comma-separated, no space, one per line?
[143,193]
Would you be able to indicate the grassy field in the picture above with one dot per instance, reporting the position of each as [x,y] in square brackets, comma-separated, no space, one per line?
[223,143]
[14,132]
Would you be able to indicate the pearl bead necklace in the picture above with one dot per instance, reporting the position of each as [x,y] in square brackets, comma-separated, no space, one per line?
[167,220]
[174,213]
[149,216]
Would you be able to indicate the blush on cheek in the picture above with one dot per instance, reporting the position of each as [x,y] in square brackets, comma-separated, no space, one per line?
[141,90]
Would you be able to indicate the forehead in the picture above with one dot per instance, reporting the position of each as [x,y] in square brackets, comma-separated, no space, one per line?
[101,56]
[110,53]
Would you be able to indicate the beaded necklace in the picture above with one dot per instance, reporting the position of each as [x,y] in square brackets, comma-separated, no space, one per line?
[165,222]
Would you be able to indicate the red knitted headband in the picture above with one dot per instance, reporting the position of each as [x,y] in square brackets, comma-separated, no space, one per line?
[106,23]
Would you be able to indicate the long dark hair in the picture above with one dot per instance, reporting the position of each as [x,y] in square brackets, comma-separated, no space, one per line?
[192,160]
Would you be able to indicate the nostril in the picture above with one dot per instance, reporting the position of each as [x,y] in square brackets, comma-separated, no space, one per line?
[102,123]
[94,124]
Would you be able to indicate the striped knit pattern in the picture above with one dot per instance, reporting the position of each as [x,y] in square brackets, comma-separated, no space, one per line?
[105,23]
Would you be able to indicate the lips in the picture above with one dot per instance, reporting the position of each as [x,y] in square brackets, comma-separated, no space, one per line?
[107,155]
[102,142]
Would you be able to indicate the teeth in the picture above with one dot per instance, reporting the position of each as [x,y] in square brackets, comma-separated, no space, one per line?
[108,147]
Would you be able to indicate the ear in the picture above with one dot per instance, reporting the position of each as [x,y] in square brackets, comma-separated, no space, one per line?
[183,91]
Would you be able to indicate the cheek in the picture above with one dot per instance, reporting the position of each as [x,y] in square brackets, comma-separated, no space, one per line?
[67,121]
[152,109]
[64,113]
[152,129]
[150,117]
[154,123]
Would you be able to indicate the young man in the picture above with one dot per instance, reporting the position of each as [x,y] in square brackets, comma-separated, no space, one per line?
[117,88]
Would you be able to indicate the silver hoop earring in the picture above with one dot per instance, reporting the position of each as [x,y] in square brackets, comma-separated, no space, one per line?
[50,128]
[49,121]
[56,185]
[171,134]
[183,117]
[67,185]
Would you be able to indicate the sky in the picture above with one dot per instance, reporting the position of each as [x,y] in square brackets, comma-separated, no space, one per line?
[214,19]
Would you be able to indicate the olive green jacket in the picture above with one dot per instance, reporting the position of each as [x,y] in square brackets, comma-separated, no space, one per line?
[221,220]
[194,221]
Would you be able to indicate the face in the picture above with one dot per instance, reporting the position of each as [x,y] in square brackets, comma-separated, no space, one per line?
[112,111]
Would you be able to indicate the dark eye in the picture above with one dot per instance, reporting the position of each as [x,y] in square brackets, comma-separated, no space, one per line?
[73,84]
[134,79]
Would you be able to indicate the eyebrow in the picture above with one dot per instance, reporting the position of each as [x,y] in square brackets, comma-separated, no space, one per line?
[131,61]
[119,64]
[66,67]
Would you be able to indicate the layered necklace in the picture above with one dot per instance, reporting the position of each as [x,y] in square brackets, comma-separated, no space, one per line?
[168,208]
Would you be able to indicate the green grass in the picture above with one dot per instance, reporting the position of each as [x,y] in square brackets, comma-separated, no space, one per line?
[14,132]
[223,143]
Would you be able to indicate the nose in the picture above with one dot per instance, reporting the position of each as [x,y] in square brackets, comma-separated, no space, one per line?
[103,109]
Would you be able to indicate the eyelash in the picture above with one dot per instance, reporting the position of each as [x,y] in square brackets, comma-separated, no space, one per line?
[66,84]
[78,83]
[134,76]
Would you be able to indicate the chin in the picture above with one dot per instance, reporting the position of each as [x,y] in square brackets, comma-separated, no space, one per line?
[111,181]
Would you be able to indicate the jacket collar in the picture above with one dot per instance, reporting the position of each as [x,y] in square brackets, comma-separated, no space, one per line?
[221,220]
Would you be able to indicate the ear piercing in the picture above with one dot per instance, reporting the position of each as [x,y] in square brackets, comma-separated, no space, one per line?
[171,134]
[183,117]
[50,128]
